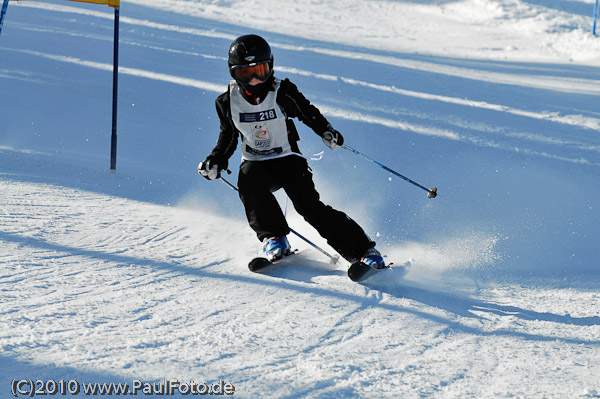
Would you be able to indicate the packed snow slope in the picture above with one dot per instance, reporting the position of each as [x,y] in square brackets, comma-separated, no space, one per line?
[141,275]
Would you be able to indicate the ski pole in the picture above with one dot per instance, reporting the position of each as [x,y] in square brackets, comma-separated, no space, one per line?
[332,258]
[431,192]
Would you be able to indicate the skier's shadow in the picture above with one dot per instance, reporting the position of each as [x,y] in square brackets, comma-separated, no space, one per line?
[302,269]
[462,305]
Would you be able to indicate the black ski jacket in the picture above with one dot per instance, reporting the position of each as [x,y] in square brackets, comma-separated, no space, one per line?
[292,103]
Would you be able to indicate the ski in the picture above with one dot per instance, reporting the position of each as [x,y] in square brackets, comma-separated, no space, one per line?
[260,262]
[359,271]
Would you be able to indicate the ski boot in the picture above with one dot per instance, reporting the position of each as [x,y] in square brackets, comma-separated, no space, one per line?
[276,247]
[373,259]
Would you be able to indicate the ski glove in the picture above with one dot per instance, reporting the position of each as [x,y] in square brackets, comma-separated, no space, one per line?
[332,138]
[210,169]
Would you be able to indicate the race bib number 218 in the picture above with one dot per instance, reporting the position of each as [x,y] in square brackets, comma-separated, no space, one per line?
[258,116]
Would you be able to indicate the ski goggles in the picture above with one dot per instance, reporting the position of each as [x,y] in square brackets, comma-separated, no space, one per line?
[245,74]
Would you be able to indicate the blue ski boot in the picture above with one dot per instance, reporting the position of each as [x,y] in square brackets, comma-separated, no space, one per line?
[373,259]
[276,247]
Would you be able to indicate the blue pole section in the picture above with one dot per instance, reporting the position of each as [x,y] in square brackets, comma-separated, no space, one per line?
[3,13]
[595,16]
[431,192]
[113,137]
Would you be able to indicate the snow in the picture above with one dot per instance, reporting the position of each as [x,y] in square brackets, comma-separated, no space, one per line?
[141,275]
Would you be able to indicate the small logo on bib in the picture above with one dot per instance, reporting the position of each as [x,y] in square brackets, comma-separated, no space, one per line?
[261,136]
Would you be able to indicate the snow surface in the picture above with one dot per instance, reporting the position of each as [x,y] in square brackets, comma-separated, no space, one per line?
[141,274]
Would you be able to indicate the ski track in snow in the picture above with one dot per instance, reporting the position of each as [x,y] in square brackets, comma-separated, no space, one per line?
[487,136]
[574,120]
[145,293]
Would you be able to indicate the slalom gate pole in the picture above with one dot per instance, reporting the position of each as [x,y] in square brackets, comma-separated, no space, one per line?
[595,16]
[332,258]
[431,192]
[3,13]
[113,136]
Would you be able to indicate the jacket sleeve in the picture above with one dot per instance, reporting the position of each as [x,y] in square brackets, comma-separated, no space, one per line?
[295,105]
[228,135]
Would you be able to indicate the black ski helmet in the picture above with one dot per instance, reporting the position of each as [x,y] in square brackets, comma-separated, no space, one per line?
[249,50]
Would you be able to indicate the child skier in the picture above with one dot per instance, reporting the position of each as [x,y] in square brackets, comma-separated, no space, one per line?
[257,107]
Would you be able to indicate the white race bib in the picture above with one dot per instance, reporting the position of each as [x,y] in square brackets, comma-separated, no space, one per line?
[263,126]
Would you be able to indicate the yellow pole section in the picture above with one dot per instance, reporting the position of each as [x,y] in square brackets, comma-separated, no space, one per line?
[112,3]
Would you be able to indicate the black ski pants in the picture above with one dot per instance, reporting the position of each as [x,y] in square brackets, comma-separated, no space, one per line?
[259,179]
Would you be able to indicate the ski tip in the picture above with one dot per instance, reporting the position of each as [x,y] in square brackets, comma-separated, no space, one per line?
[358,271]
[261,262]
[258,263]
